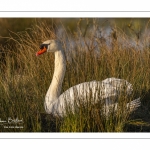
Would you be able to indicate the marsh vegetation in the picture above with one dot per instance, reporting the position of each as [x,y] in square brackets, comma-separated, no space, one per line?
[92,54]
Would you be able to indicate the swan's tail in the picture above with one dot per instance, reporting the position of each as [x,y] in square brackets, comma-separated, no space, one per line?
[133,105]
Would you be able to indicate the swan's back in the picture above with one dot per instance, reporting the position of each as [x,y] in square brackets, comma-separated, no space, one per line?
[93,91]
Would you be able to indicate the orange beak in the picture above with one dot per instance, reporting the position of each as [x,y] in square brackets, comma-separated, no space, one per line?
[41,51]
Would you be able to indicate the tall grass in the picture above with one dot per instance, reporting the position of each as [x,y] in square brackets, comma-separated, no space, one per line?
[91,55]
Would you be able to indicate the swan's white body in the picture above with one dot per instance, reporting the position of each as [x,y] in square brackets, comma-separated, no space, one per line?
[55,102]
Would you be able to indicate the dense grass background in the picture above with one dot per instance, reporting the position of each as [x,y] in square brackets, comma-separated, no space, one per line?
[92,54]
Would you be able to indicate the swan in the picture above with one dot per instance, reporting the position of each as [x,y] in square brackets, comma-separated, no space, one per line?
[55,102]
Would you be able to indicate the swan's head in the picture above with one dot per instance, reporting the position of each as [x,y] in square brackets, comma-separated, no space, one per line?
[49,46]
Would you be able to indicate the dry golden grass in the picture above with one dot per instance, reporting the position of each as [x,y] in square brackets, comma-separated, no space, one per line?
[25,78]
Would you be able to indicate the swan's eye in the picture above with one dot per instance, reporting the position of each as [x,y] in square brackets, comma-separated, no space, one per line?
[44,45]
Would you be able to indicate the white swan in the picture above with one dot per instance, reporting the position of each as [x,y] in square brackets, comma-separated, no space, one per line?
[55,102]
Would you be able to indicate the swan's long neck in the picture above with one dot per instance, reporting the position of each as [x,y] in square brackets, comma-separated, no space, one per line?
[54,90]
